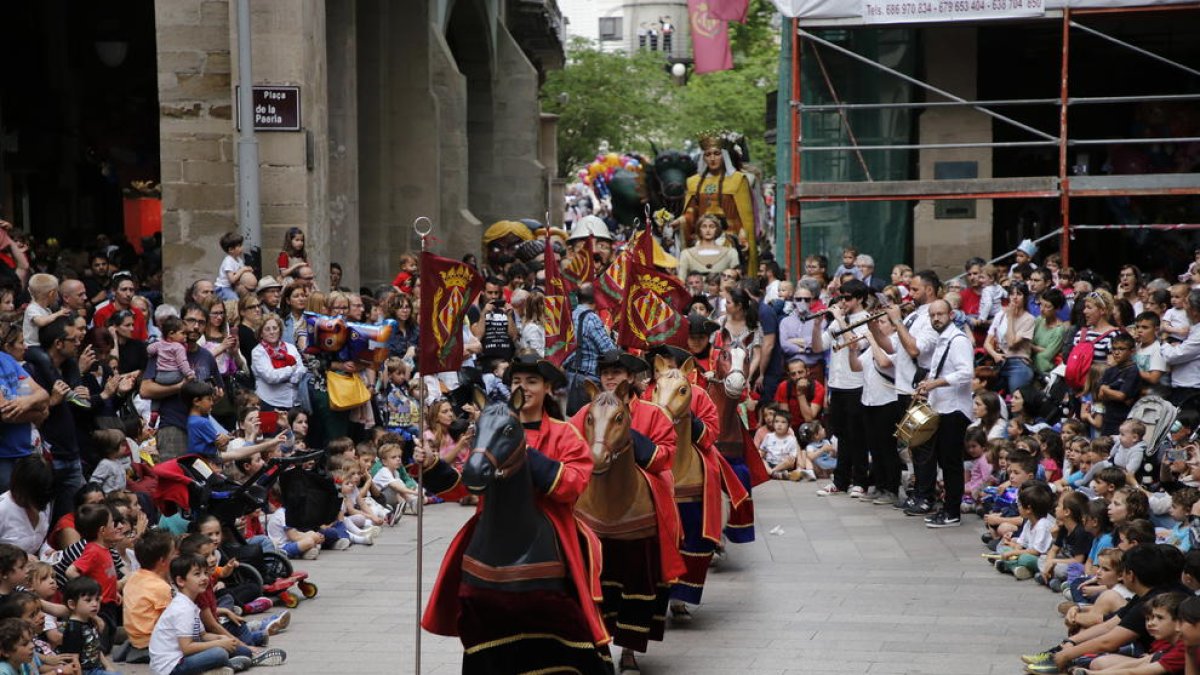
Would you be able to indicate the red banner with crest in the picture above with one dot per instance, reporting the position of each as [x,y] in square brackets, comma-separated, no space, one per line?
[580,267]
[447,289]
[653,313]
[556,318]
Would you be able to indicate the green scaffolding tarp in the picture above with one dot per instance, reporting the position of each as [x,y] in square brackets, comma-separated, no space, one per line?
[881,228]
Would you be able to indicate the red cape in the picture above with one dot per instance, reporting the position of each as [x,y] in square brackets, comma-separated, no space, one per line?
[651,421]
[559,441]
[718,475]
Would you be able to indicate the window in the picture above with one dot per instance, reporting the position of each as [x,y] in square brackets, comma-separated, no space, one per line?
[610,28]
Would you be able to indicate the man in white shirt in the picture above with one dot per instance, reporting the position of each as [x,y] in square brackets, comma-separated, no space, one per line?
[917,339]
[845,391]
[948,389]
[1184,357]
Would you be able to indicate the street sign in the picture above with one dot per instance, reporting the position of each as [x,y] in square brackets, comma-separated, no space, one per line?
[276,108]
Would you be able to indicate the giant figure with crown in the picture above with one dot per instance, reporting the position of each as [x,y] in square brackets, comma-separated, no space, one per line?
[723,189]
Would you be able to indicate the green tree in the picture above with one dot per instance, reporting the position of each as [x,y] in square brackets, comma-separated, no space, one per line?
[626,100]
[736,100]
[632,101]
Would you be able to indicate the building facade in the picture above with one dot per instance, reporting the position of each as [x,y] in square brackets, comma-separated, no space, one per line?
[406,109]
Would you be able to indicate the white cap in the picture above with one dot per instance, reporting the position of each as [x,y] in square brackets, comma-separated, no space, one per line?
[589,226]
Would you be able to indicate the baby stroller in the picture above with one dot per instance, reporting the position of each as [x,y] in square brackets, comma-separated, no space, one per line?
[187,484]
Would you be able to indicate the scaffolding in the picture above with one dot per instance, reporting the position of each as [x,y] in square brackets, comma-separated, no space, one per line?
[1062,186]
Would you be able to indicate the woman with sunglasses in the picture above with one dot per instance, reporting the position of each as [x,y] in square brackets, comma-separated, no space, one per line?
[250,318]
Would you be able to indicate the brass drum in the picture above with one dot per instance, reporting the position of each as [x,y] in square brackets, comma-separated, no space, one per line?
[918,425]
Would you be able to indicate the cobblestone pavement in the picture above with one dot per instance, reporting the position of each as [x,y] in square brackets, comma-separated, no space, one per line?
[846,587]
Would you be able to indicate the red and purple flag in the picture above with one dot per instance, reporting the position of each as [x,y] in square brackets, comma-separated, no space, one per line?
[447,289]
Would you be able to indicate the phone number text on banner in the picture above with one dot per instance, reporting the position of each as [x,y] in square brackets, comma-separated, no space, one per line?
[911,11]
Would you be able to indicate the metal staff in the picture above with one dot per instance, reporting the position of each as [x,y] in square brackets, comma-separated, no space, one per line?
[423,234]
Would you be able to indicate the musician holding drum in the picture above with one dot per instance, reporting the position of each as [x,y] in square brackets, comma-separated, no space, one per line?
[917,339]
[948,391]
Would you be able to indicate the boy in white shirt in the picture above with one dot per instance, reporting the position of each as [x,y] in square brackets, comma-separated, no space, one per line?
[394,490]
[780,449]
[44,290]
[1152,367]
[232,266]
[179,645]
[1019,556]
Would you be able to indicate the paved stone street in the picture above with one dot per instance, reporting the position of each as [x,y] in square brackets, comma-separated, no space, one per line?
[846,588]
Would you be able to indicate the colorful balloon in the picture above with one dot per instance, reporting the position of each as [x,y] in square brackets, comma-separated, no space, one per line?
[367,343]
[327,333]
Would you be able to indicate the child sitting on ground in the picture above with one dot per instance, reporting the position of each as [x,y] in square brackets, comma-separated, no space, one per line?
[288,540]
[16,648]
[780,451]
[1072,542]
[980,473]
[44,585]
[397,494]
[13,569]
[147,592]
[179,644]
[1004,518]
[84,628]
[1113,595]
[1182,501]
[1167,652]
[819,452]
[170,354]
[766,423]
[95,525]
[26,606]
[1020,555]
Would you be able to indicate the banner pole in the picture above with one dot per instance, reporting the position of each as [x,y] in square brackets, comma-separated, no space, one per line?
[423,234]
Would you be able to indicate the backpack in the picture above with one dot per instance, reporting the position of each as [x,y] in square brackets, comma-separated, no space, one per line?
[1079,363]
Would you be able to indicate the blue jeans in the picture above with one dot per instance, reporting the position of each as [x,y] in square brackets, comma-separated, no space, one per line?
[1015,374]
[6,469]
[100,671]
[68,477]
[262,541]
[209,659]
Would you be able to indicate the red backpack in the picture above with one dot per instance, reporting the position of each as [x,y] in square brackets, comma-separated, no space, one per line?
[1079,363]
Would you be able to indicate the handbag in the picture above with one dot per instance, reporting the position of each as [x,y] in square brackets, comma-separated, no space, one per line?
[346,391]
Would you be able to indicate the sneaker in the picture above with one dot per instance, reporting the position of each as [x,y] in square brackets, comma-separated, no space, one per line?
[1022,573]
[312,553]
[1065,606]
[905,504]
[1056,585]
[394,516]
[257,605]
[920,508]
[268,657]
[375,531]
[1040,657]
[944,520]
[240,663]
[857,492]
[809,474]
[830,491]
[279,622]
[341,544]
[1047,668]
[884,498]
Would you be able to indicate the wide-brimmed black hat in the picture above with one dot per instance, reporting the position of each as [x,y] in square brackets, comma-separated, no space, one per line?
[702,300]
[617,357]
[532,364]
[679,356]
[698,324]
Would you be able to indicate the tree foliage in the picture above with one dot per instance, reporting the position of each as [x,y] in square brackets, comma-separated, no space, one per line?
[631,100]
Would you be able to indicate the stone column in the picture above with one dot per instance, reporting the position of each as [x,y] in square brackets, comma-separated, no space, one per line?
[341,31]
[196,134]
[944,244]
[289,49]
[518,185]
